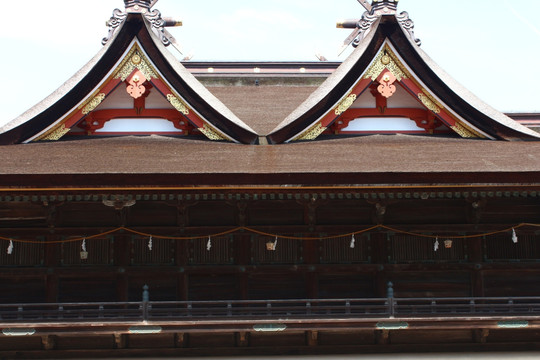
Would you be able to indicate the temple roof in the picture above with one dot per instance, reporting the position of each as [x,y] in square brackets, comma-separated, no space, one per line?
[291,104]
[137,42]
[401,160]
[386,43]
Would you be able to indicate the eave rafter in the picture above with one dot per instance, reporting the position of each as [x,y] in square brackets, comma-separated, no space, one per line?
[90,118]
[388,62]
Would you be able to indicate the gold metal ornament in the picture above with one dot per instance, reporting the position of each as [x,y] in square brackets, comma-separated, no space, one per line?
[56,134]
[312,133]
[387,60]
[463,131]
[178,104]
[135,60]
[93,104]
[211,133]
[345,104]
[429,103]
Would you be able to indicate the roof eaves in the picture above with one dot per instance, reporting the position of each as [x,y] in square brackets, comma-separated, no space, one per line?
[446,87]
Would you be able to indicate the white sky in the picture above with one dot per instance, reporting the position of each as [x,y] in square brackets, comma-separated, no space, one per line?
[490,46]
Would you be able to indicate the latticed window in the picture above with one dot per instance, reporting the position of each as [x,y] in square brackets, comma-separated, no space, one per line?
[286,251]
[146,251]
[500,247]
[215,251]
[345,250]
[88,252]
[23,253]
[407,248]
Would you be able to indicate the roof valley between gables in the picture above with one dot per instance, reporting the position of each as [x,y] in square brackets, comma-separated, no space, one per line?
[134,79]
[387,61]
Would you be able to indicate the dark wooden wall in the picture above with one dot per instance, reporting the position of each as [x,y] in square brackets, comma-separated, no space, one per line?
[239,266]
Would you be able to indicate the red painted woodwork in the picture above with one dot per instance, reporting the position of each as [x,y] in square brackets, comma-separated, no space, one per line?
[165,91]
[78,116]
[135,84]
[414,90]
[423,118]
[360,87]
[97,119]
[386,87]
[139,90]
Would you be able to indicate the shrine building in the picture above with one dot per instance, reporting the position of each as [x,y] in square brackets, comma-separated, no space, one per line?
[147,208]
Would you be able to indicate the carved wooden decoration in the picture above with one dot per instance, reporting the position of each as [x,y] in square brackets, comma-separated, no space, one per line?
[135,87]
[387,87]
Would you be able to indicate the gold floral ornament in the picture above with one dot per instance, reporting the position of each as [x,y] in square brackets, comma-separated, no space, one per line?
[178,104]
[211,133]
[312,133]
[387,60]
[93,104]
[345,104]
[429,103]
[463,131]
[135,60]
[56,134]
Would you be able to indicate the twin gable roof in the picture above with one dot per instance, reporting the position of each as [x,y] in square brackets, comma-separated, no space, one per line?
[135,59]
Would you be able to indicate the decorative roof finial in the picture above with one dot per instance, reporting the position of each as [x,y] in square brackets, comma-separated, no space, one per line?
[144,7]
[384,7]
[375,10]
[141,6]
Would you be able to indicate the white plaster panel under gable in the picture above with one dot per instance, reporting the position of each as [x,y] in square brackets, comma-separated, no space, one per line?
[370,124]
[400,99]
[120,99]
[138,125]
[364,101]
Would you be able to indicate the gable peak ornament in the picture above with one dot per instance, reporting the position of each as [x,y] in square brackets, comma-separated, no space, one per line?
[375,10]
[384,7]
[144,7]
[141,6]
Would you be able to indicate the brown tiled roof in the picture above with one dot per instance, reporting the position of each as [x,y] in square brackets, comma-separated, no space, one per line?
[381,159]
[262,107]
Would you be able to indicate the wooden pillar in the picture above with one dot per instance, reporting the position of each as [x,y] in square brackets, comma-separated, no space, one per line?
[379,248]
[122,259]
[242,249]
[474,247]
[242,253]
[51,287]
[477,279]
[244,290]
[312,285]
[182,253]
[311,255]
[122,287]
[122,250]
[182,287]
[51,262]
